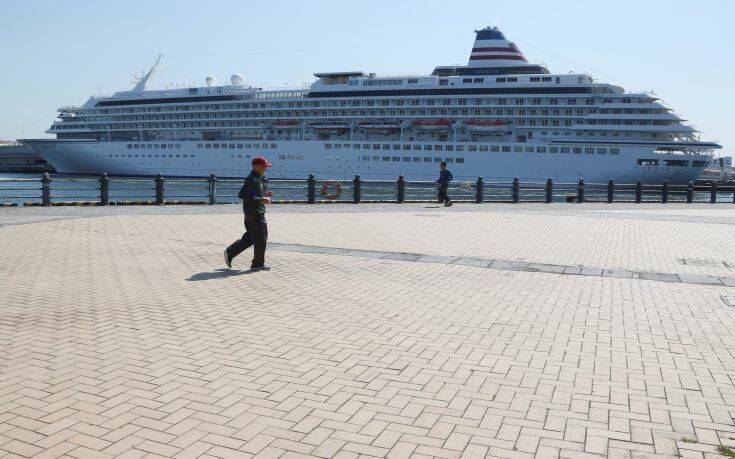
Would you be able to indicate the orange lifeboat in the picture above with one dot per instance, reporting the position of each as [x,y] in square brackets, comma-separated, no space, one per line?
[485,126]
[378,127]
[285,124]
[429,125]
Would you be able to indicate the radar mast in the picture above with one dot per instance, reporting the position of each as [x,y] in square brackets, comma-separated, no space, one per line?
[140,85]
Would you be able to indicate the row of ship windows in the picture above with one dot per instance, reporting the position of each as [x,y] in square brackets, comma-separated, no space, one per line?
[671,162]
[322,113]
[370,103]
[405,159]
[163,146]
[445,82]
[492,148]
[263,146]
[150,156]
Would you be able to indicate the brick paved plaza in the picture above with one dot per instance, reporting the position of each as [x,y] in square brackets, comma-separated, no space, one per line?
[382,331]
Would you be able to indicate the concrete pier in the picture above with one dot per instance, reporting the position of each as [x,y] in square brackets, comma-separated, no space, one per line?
[499,330]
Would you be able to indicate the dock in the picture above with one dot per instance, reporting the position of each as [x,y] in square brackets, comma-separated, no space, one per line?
[383,330]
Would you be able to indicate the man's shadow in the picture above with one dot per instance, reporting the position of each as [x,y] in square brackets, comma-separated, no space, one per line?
[219,274]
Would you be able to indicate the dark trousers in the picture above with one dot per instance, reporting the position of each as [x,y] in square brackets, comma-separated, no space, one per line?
[256,234]
[443,196]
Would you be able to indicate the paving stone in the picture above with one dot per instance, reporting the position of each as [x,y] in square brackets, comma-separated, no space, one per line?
[619,273]
[661,277]
[509,265]
[468,261]
[729,281]
[401,256]
[544,268]
[699,279]
[436,259]
[585,271]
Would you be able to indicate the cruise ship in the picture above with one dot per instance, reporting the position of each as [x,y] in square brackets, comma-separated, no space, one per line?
[498,117]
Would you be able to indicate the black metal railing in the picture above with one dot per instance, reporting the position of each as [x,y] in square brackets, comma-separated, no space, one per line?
[159,190]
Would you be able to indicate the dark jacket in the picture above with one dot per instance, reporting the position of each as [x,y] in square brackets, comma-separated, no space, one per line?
[444,178]
[252,193]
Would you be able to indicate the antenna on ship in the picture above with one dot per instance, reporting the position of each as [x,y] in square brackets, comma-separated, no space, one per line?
[140,85]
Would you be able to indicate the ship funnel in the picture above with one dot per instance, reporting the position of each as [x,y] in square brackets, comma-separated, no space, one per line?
[492,49]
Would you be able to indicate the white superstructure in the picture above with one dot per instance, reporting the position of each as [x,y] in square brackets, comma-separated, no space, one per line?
[499,117]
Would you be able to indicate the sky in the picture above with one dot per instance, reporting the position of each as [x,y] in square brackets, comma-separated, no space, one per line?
[58,53]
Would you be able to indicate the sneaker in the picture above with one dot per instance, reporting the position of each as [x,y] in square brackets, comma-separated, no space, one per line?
[449,204]
[228,259]
[260,268]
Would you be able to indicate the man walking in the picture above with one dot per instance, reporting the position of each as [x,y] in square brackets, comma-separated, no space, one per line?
[444,178]
[254,199]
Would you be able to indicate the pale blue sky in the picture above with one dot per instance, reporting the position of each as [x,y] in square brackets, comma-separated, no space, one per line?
[61,52]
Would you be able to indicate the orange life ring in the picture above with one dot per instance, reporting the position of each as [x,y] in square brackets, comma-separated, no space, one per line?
[337,190]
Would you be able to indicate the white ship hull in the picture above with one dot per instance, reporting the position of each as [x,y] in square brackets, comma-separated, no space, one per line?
[297,159]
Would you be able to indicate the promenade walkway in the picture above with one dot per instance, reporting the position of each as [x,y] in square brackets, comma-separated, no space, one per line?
[390,330]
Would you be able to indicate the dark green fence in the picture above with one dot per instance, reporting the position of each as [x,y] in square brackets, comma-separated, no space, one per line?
[160,190]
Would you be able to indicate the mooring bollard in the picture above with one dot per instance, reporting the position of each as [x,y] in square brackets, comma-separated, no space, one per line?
[713,193]
[665,192]
[401,190]
[311,189]
[610,190]
[159,189]
[515,189]
[690,192]
[356,190]
[212,181]
[549,190]
[104,190]
[46,189]
[638,191]
[580,191]
[479,190]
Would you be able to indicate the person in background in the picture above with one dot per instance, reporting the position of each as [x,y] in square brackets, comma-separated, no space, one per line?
[444,178]
[254,199]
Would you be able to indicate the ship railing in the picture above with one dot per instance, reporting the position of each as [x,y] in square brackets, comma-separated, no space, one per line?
[59,190]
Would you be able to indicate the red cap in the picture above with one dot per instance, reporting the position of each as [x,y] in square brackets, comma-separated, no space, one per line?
[261,161]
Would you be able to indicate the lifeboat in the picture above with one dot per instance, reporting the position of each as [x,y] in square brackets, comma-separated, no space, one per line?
[428,125]
[285,124]
[378,128]
[484,126]
[331,128]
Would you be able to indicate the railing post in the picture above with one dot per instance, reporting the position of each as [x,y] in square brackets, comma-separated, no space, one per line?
[479,190]
[212,181]
[104,190]
[638,191]
[159,189]
[356,190]
[690,192]
[515,190]
[610,190]
[713,193]
[46,189]
[311,189]
[665,192]
[401,190]
[549,190]
[580,191]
